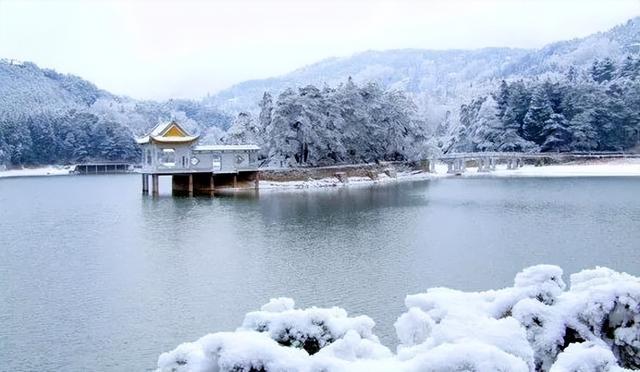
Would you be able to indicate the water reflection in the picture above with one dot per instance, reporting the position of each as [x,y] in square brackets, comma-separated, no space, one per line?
[115,277]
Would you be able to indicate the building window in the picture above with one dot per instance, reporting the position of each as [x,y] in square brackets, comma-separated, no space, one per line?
[216,162]
[168,157]
[148,156]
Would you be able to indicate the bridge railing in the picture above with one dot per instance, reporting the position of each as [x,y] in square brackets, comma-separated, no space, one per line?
[535,155]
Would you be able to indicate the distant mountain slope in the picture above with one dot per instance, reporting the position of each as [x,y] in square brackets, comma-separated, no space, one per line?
[441,78]
[27,90]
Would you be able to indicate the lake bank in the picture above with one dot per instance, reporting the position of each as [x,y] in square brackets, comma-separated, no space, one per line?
[367,174]
[51,170]
[584,168]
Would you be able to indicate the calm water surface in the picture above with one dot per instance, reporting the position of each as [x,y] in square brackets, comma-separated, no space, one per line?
[94,276]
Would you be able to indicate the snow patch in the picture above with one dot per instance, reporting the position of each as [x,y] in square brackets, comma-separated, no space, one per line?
[535,325]
[31,172]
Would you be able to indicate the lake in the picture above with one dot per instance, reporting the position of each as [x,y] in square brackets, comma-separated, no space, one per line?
[95,276]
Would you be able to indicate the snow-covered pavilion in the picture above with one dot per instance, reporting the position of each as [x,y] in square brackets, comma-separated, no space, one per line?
[169,150]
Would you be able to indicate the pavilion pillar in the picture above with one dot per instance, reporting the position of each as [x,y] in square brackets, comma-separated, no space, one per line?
[450,167]
[155,185]
[190,189]
[463,165]
[235,181]
[145,183]
[212,184]
[257,180]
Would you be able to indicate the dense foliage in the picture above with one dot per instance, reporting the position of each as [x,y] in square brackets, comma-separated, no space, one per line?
[347,124]
[68,138]
[592,110]
[407,104]
[47,117]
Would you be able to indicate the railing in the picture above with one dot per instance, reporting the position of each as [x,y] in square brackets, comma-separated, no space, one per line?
[536,155]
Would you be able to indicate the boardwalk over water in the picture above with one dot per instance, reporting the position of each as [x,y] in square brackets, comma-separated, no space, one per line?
[486,161]
[102,168]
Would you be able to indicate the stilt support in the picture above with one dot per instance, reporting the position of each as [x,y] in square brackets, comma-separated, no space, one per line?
[145,184]
[155,185]
[212,185]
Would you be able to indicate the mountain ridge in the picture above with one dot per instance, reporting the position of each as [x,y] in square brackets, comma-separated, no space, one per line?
[445,72]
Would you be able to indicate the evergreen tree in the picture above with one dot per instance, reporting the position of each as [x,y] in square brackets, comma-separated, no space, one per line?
[583,135]
[502,99]
[539,112]
[18,139]
[487,127]
[517,107]
[462,140]
[243,131]
[266,109]
[603,70]
[555,133]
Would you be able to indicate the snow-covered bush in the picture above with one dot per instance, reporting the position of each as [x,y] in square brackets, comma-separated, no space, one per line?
[586,357]
[310,329]
[535,325]
[605,305]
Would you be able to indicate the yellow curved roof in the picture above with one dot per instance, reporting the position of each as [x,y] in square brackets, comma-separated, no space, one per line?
[173,139]
[170,132]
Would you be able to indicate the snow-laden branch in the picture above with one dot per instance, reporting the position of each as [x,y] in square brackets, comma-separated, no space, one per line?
[535,325]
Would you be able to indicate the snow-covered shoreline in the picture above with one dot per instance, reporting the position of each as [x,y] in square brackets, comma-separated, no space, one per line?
[535,325]
[52,170]
[609,168]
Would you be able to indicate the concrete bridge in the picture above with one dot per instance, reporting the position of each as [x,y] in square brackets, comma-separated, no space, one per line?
[486,161]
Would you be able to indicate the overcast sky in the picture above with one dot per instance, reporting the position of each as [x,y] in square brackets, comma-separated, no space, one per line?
[161,49]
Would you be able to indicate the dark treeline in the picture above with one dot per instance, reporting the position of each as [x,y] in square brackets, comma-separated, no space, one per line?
[64,138]
[596,109]
[346,124]
[593,110]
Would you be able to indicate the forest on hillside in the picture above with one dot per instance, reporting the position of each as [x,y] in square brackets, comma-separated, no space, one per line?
[589,109]
[51,118]
[347,124]
[592,110]
[596,109]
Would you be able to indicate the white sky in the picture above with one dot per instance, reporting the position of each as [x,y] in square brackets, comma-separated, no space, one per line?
[162,49]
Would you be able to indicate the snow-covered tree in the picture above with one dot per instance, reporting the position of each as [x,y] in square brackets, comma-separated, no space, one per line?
[603,70]
[243,131]
[539,112]
[556,135]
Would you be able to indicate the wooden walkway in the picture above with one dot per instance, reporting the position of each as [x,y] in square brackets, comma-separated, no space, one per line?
[456,162]
[102,168]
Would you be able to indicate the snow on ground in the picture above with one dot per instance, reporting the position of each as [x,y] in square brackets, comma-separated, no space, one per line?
[617,167]
[535,325]
[52,170]
[353,181]
[609,168]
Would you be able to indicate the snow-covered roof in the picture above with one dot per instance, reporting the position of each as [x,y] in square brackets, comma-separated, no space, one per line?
[169,132]
[226,148]
[160,128]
